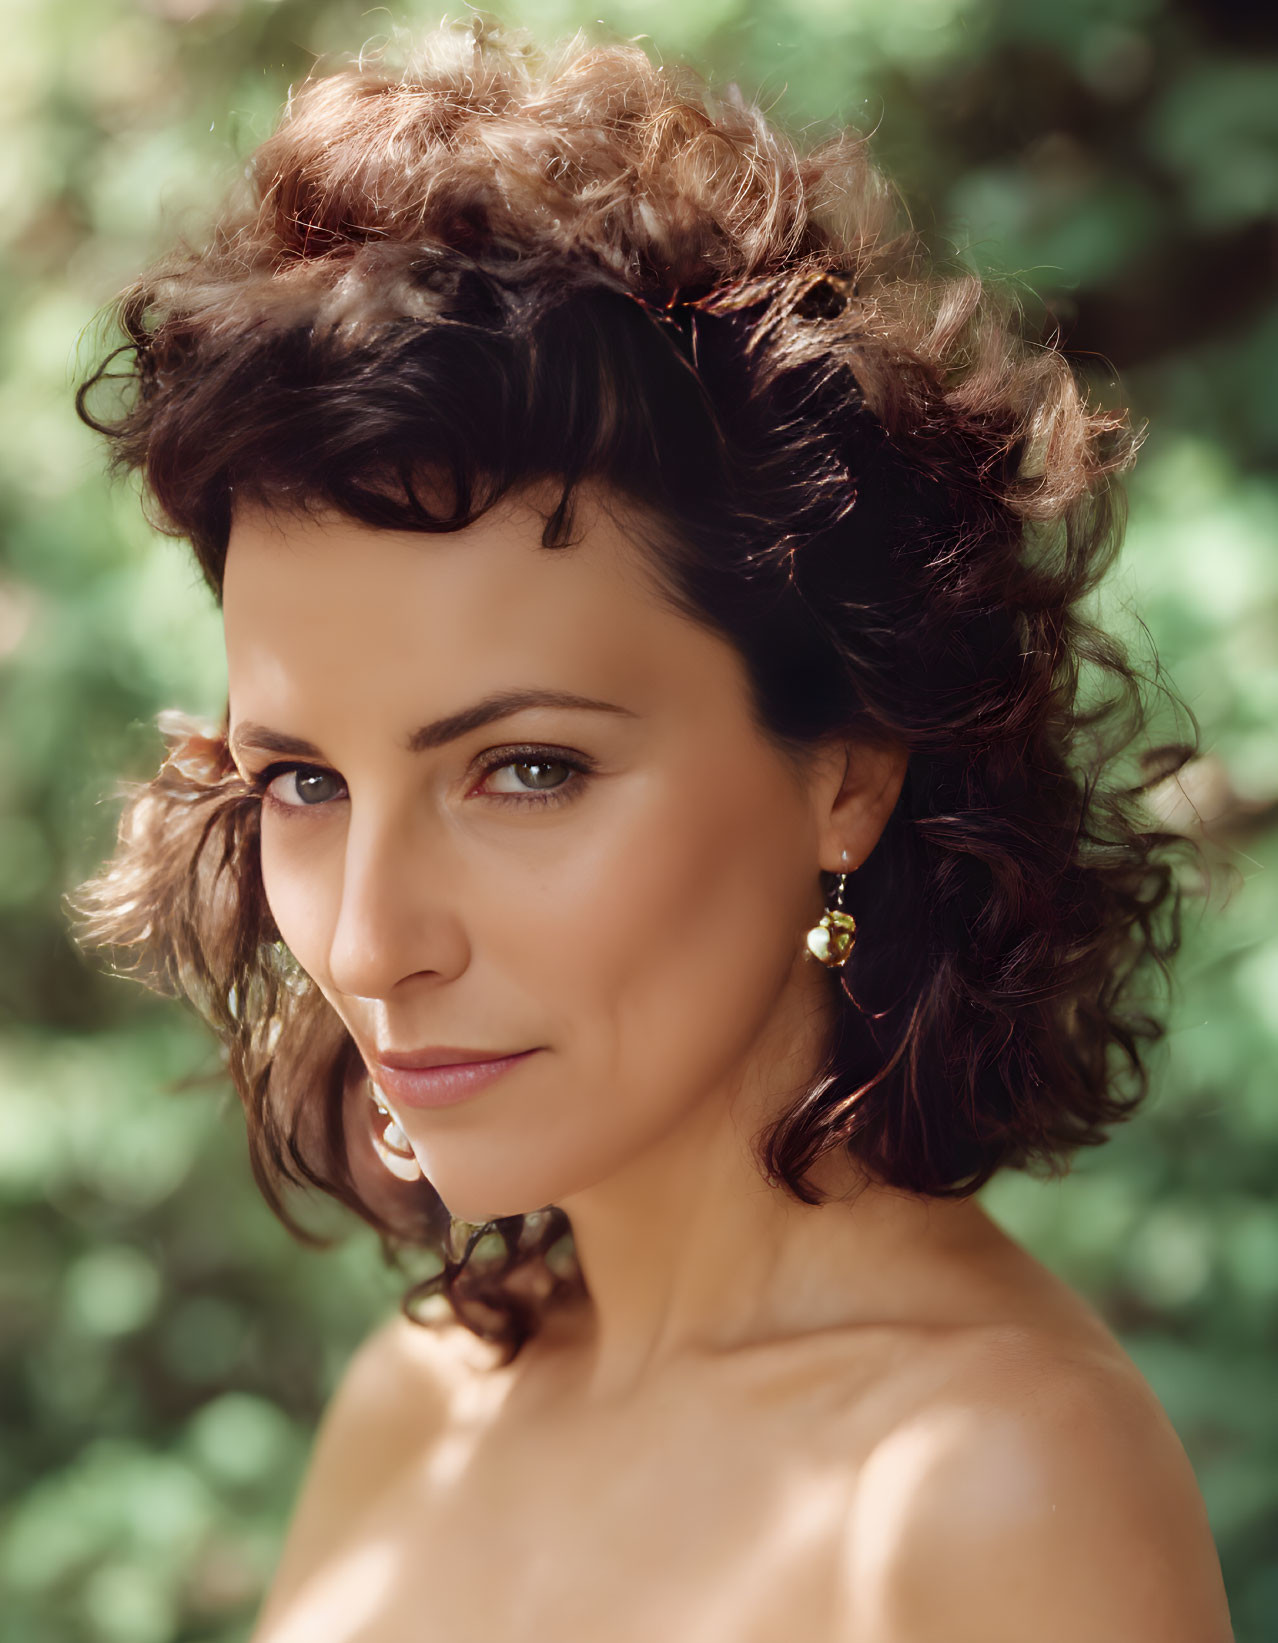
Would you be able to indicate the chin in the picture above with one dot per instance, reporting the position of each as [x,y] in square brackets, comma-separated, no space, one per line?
[480,1210]
[478,1199]
[513,1185]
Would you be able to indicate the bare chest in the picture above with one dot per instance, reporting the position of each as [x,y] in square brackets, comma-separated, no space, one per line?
[745,1503]
[687,1525]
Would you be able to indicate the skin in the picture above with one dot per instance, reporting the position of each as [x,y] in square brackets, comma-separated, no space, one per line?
[877,1419]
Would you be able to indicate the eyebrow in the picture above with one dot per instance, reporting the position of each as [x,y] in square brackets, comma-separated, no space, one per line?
[500,705]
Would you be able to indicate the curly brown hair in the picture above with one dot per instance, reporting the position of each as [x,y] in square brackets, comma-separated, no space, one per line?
[501,266]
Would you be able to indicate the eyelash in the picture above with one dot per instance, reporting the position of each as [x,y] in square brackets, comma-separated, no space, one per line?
[578,766]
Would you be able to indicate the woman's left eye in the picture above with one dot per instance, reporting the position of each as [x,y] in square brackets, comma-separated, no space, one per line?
[537,776]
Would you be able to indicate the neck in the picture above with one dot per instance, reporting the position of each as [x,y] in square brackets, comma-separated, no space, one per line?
[690,1251]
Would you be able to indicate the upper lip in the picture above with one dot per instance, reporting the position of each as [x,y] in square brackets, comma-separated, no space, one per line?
[436,1055]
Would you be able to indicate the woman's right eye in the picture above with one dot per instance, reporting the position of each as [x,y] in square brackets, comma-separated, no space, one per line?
[296,786]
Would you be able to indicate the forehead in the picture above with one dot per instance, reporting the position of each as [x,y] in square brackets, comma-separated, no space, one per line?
[310,603]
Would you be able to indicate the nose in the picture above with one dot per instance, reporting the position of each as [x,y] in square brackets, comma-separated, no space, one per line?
[398,916]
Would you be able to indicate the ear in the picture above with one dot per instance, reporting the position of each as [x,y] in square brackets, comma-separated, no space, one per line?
[858,786]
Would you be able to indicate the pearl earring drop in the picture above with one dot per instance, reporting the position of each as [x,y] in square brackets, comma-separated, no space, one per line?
[393,1136]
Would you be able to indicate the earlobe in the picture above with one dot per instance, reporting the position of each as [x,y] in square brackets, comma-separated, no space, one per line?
[872,777]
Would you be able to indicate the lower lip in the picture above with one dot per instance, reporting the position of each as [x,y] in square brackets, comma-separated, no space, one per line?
[442,1086]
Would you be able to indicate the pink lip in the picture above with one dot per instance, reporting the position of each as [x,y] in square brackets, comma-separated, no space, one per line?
[433,1055]
[443,1084]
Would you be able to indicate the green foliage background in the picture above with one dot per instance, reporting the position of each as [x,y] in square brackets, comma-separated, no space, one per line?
[166,1347]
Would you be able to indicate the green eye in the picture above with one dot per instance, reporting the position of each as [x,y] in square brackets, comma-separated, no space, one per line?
[309,785]
[297,786]
[534,777]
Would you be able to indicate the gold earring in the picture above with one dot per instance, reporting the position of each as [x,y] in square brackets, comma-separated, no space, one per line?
[833,936]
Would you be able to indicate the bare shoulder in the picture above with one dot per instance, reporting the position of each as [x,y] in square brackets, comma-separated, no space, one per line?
[1039,1490]
[394,1396]
[395,1391]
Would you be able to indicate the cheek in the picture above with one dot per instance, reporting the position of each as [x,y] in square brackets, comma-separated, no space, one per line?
[711,949]
[668,938]
[296,884]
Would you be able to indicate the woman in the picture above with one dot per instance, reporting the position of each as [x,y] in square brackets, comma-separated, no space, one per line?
[662,852]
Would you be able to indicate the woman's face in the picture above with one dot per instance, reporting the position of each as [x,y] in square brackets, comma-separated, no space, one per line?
[622,889]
